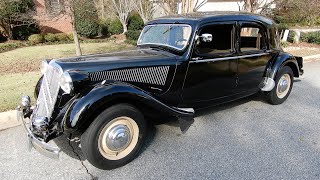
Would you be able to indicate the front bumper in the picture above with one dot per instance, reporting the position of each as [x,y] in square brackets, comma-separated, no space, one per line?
[33,142]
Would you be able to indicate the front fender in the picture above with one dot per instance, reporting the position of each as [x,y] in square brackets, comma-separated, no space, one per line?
[81,111]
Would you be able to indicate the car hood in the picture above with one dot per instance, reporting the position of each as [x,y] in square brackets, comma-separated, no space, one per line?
[117,60]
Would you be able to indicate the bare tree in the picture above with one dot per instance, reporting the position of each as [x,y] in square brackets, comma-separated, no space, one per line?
[169,6]
[70,7]
[198,4]
[65,8]
[145,8]
[297,11]
[15,13]
[187,6]
[256,6]
[122,9]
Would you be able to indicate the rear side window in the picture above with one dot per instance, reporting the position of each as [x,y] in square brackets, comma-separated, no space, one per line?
[252,39]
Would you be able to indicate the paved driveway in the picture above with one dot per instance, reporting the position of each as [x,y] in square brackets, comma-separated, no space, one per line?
[247,139]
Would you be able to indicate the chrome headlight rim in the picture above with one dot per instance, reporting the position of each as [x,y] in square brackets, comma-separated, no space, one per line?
[66,83]
[44,66]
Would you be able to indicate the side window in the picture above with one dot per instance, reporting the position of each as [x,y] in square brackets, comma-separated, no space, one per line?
[252,39]
[222,40]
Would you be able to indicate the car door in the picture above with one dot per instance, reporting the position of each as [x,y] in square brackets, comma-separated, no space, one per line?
[253,56]
[212,69]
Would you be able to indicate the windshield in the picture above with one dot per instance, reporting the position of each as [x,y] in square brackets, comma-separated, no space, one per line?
[172,35]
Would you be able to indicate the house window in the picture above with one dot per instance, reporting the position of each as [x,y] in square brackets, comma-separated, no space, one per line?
[53,6]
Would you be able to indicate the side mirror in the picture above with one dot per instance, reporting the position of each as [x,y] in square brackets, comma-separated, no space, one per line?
[205,37]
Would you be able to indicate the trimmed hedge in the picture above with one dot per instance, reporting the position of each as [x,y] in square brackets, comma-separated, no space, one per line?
[312,37]
[62,37]
[10,46]
[50,37]
[36,38]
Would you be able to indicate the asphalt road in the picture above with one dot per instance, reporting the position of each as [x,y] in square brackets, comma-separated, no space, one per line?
[246,139]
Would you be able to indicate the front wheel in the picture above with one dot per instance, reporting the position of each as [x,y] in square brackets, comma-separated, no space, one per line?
[115,137]
[284,82]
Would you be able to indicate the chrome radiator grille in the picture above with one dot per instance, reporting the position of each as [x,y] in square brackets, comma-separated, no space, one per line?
[48,92]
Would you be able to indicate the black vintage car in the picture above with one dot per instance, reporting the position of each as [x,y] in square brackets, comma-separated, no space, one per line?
[182,63]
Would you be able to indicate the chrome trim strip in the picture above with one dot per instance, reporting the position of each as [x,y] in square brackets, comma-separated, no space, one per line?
[228,58]
[190,110]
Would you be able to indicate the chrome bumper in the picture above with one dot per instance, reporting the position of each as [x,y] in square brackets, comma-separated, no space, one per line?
[33,142]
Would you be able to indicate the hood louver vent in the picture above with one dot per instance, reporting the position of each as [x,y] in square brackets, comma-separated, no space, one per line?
[150,75]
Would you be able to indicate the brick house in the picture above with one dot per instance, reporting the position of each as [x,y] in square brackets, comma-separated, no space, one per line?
[49,17]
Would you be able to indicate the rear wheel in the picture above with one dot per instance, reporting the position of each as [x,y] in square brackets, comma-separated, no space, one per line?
[284,82]
[115,137]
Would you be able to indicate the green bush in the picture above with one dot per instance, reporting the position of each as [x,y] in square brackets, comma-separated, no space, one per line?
[87,28]
[312,37]
[284,44]
[36,38]
[104,29]
[62,37]
[135,22]
[23,32]
[87,19]
[10,46]
[291,36]
[50,37]
[133,35]
[115,27]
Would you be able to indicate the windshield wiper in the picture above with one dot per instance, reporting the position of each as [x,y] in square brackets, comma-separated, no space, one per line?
[147,29]
[171,27]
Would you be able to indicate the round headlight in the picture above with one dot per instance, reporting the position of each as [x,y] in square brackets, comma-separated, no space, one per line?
[66,83]
[44,66]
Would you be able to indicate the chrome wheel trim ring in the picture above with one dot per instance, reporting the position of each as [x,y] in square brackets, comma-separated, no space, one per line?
[283,86]
[118,138]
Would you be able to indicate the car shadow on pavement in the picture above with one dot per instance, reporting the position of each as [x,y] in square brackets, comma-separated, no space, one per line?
[70,147]
[255,97]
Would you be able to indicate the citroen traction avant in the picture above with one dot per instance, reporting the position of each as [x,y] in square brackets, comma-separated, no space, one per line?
[182,63]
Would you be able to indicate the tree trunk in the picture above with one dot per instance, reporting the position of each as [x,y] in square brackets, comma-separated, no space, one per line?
[76,39]
[125,28]
[7,31]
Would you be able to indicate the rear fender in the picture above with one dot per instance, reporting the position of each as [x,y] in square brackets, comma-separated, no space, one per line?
[100,96]
[283,59]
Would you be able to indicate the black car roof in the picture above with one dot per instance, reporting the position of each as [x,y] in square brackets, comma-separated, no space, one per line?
[205,17]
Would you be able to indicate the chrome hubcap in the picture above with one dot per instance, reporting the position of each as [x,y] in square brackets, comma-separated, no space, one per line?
[283,86]
[118,137]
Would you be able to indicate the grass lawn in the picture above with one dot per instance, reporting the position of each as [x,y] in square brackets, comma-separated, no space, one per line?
[13,86]
[28,58]
[302,51]
[19,68]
